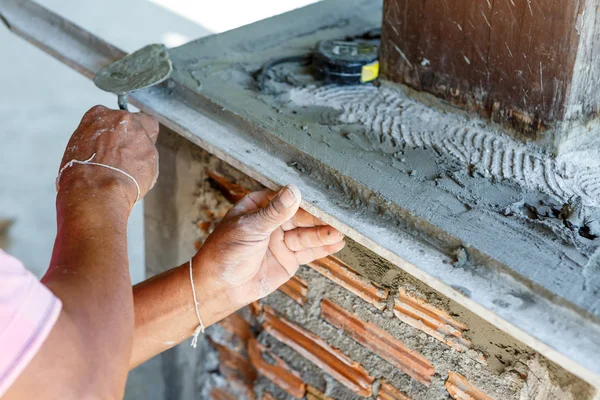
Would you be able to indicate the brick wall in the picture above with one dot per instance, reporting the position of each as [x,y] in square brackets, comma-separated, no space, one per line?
[353,328]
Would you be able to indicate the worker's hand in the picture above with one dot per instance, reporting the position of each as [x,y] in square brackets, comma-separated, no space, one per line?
[260,244]
[118,139]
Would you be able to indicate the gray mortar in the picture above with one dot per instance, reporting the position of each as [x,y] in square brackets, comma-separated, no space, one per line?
[503,352]
[432,195]
[405,166]
[543,377]
[311,375]
[204,197]
[145,67]
[443,357]
[394,121]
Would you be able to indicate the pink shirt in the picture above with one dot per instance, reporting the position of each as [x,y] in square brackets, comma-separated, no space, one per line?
[28,311]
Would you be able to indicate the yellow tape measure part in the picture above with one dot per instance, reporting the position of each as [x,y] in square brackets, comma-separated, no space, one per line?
[369,72]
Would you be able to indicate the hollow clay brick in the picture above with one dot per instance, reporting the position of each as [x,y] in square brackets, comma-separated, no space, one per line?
[460,388]
[279,373]
[340,273]
[379,342]
[331,360]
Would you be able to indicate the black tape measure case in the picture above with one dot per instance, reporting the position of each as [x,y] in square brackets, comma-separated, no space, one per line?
[346,62]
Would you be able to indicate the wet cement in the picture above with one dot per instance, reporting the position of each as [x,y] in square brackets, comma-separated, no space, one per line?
[517,252]
[145,67]
[470,183]
[199,210]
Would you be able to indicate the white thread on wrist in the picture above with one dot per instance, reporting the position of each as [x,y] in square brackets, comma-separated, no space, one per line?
[89,162]
[200,328]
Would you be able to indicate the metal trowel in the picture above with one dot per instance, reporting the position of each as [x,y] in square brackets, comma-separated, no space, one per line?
[143,68]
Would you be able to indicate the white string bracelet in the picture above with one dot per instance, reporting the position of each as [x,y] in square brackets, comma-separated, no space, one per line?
[89,162]
[200,328]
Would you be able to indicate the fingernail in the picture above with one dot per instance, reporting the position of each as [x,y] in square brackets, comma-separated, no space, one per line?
[287,196]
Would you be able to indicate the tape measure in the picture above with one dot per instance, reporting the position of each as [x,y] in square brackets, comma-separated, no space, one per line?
[346,62]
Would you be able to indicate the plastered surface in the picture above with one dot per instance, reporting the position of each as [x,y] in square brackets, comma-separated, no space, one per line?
[500,205]
[472,184]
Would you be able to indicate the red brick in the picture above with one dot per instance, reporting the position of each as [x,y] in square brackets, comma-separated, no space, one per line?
[329,359]
[390,392]
[235,366]
[434,321]
[297,289]
[379,342]
[312,393]
[255,308]
[279,373]
[204,226]
[231,191]
[238,326]
[460,388]
[340,273]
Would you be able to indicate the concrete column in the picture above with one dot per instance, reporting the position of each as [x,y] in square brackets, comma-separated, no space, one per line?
[525,63]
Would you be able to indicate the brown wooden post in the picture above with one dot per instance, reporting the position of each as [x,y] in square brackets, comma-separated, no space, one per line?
[528,63]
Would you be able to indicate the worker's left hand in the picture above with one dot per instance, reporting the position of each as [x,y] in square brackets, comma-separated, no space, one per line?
[260,244]
[119,140]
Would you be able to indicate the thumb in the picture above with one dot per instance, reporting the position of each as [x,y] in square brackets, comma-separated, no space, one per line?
[279,210]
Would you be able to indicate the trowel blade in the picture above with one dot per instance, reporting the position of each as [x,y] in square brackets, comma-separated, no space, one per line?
[145,67]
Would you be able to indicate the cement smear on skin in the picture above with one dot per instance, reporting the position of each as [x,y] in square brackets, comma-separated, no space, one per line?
[393,120]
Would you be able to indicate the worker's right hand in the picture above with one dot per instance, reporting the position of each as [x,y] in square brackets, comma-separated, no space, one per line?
[259,245]
[118,139]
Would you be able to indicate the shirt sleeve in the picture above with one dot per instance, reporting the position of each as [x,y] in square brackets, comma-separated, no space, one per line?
[28,311]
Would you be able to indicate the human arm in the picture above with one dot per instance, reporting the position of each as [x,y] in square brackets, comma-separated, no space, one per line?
[102,331]
[257,247]
[86,354]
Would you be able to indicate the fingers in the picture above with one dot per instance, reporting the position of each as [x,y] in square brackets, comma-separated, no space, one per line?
[312,254]
[149,123]
[260,199]
[280,209]
[302,219]
[252,202]
[305,238]
[94,112]
[282,254]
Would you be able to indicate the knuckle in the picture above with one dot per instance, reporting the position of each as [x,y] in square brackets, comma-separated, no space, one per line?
[123,117]
[247,198]
[270,213]
[97,109]
[321,236]
[305,239]
[244,224]
[92,114]
[276,207]
[292,241]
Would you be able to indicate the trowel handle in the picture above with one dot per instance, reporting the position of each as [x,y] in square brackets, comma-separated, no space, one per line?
[123,103]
